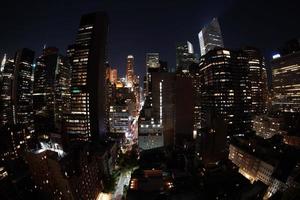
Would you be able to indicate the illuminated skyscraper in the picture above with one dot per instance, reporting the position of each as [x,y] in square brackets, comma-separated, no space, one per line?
[184,57]
[130,71]
[86,120]
[225,90]
[163,103]
[171,100]
[16,119]
[22,89]
[210,37]
[152,60]
[286,81]
[152,64]
[113,76]
[16,126]
[51,95]
[196,79]
[258,80]
[6,81]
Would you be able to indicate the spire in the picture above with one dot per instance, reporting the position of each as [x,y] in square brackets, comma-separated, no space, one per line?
[3,63]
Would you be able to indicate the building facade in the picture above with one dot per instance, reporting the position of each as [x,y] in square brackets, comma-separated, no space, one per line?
[130,71]
[226,90]
[258,80]
[51,91]
[86,120]
[184,57]
[210,37]
[22,89]
[150,134]
[6,79]
[119,120]
[286,82]
[16,105]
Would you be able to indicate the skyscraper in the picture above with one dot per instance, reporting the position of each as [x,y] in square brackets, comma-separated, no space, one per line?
[113,76]
[162,100]
[16,119]
[22,89]
[86,120]
[286,80]
[51,89]
[184,109]
[17,127]
[258,80]
[184,57]
[152,60]
[196,79]
[130,71]
[210,37]
[152,64]
[225,90]
[6,81]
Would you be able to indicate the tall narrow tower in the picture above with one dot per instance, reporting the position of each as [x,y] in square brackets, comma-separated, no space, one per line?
[86,120]
[22,89]
[129,70]
[210,37]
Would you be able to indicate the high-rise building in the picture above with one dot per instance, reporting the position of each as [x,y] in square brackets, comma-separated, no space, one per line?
[184,109]
[86,120]
[113,76]
[258,80]
[16,132]
[130,71]
[169,110]
[226,89]
[110,92]
[163,103]
[22,89]
[51,91]
[210,37]
[137,96]
[152,60]
[119,120]
[184,57]
[196,81]
[6,82]
[152,64]
[17,127]
[286,81]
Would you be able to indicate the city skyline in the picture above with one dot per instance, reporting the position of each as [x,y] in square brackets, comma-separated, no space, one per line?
[160,26]
[133,107]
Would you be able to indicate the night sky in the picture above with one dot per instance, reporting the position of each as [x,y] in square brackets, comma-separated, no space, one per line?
[137,27]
